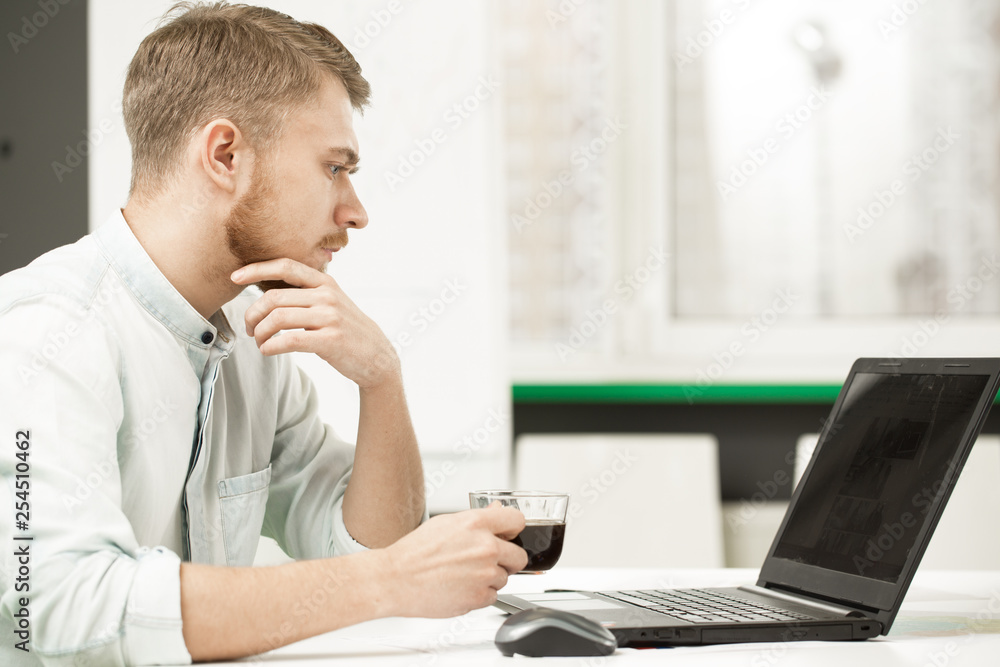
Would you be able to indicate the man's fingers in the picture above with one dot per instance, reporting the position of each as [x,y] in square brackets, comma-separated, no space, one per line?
[512,558]
[500,580]
[288,270]
[283,319]
[505,522]
[276,298]
[290,341]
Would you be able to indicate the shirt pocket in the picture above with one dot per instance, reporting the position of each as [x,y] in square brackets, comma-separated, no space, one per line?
[242,501]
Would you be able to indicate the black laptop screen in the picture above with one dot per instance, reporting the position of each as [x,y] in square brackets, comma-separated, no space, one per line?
[880,467]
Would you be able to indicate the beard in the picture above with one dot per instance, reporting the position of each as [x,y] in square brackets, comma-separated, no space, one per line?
[250,224]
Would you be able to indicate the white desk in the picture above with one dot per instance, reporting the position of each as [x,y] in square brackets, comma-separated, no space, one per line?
[948,619]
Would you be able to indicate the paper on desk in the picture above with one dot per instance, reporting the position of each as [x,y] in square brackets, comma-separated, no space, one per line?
[938,624]
[475,629]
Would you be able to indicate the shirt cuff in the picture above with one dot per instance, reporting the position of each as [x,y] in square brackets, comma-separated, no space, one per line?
[153,629]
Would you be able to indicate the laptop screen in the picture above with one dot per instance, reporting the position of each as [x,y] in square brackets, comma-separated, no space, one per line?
[882,463]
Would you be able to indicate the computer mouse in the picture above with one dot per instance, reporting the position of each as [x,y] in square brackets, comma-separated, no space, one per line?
[543,631]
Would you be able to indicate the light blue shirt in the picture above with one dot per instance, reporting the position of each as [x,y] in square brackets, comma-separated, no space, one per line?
[153,436]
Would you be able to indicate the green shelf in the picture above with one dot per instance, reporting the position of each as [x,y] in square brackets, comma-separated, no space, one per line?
[674,393]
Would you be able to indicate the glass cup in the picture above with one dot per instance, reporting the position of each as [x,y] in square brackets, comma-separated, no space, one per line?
[544,522]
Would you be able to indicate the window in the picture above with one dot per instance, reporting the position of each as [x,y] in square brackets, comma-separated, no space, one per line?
[821,176]
[845,151]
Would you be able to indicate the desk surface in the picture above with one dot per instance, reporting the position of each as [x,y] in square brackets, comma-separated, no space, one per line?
[948,619]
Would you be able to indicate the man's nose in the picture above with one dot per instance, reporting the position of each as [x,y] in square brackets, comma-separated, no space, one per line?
[351,212]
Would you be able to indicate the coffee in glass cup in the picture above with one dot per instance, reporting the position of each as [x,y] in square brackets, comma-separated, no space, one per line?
[544,522]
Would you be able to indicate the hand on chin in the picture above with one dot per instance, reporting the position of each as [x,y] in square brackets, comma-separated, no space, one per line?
[316,316]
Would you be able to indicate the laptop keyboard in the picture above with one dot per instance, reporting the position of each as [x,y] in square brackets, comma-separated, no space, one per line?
[705,606]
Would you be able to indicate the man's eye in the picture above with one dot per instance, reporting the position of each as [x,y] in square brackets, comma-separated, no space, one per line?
[335,169]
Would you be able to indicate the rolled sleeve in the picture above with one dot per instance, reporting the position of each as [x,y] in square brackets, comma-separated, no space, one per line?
[341,540]
[153,632]
[150,633]
[96,597]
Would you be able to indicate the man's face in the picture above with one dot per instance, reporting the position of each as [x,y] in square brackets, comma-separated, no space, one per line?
[301,202]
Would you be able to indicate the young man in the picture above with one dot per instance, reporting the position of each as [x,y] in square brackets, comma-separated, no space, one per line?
[153,427]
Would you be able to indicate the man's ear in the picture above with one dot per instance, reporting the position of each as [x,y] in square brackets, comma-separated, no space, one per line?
[224,154]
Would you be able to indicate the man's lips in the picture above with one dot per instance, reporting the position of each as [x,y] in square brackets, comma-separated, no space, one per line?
[328,251]
[335,243]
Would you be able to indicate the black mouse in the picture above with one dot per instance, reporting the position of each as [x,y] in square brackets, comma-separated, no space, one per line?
[543,631]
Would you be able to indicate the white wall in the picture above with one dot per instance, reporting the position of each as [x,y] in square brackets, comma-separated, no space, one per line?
[440,227]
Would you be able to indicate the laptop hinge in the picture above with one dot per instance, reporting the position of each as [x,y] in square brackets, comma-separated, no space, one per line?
[829,607]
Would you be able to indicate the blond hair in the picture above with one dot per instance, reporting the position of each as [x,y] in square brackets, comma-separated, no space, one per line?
[252,65]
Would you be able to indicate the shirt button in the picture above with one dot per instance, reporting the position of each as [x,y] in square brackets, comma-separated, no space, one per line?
[207,337]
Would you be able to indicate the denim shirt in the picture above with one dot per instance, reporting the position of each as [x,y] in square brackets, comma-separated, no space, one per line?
[153,436]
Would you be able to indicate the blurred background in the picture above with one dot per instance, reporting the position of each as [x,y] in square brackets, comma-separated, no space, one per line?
[628,249]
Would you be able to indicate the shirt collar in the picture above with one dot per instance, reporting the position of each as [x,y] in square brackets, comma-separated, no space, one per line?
[152,289]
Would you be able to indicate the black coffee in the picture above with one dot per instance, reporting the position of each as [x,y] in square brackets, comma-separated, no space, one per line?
[543,540]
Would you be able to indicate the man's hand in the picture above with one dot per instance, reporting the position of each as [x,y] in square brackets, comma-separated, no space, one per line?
[448,566]
[385,497]
[455,562]
[334,327]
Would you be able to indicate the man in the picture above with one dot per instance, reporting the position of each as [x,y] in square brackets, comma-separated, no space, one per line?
[151,415]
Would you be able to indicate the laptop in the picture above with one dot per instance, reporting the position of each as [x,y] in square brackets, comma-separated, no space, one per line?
[855,530]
